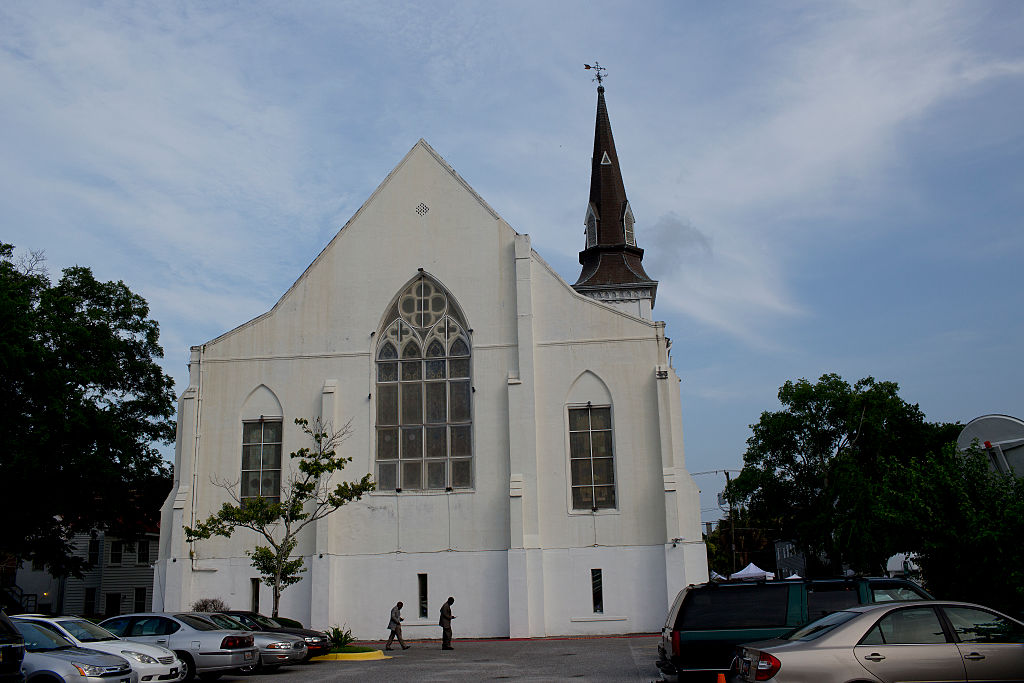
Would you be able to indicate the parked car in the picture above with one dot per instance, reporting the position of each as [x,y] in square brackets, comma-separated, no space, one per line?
[150,662]
[12,651]
[276,649]
[202,648]
[919,641]
[708,621]
[317,642]
[50,658]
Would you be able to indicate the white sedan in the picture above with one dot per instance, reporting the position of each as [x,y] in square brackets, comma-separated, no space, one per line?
[151,662]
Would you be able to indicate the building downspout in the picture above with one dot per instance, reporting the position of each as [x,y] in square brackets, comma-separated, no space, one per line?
[195,453]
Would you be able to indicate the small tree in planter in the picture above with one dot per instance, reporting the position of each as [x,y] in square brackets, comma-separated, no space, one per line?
[306,496]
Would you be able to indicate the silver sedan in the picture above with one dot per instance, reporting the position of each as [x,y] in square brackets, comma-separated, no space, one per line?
[202,648]
[150,662]
[52,658]
[907,642]
[276,649]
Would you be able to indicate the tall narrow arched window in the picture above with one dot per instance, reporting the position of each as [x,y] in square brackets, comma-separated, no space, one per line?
[424,394]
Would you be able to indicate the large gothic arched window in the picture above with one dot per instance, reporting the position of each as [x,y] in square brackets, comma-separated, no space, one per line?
[424,395]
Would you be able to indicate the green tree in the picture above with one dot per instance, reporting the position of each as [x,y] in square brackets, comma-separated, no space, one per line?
[824,470]
[966,522]
[83,404]
[307,494]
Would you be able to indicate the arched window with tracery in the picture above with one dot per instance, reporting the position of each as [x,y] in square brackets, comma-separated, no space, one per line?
[424,394]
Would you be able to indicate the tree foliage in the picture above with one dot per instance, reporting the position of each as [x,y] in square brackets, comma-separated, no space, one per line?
[83,404]
[307,494]
[854,474]
[966,522]
[823,470]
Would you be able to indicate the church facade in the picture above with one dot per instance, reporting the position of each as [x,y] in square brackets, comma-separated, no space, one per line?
[525,435]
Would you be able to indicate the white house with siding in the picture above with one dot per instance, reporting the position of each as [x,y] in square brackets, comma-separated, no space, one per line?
[117,580]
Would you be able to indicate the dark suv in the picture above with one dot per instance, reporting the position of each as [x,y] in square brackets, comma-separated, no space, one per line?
[12,652]
[707,621]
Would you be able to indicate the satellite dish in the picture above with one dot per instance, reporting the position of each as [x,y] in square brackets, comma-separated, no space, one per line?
[1001,436]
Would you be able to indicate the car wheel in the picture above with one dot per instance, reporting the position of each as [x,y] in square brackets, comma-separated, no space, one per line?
[189,665]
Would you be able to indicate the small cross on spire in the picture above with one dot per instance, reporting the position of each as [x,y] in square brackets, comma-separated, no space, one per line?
[599,69]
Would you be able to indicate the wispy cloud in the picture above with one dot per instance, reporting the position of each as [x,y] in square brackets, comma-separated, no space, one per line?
[814,136]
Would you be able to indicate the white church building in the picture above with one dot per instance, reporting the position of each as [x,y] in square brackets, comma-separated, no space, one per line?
[525,434]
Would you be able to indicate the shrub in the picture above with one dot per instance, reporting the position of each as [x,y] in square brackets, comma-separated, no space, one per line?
[210,605]
[340,636]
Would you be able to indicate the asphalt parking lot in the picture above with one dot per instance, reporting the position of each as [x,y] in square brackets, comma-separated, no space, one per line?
[626,658]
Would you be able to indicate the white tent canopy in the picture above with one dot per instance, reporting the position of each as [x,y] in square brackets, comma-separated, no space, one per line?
[752,573]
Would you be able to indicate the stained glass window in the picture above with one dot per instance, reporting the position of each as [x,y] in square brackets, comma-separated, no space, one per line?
[424,394]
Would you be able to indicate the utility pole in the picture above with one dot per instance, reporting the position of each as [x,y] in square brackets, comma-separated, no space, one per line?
[732,519]
[732,515]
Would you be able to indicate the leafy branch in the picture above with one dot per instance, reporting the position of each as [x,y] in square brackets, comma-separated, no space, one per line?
[307,495]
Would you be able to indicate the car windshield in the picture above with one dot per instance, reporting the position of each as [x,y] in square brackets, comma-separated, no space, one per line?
[224,621]
[895,593]
[40,638]
[8,634]
[819,627]
[265,621]
[198,623]
[86,631]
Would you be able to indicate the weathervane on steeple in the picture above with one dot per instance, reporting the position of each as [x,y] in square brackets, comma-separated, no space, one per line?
[598,68]
[613,270]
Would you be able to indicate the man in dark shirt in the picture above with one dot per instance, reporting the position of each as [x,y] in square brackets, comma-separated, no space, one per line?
[446,624]
[395,625]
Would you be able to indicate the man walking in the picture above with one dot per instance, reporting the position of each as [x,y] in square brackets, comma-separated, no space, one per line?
[446,624]
[395,625]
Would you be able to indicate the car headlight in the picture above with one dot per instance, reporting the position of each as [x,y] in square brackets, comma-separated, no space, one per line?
[278,646]
[140,657]
[88,669]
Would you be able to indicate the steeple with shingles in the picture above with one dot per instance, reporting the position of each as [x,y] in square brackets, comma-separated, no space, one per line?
[612,270]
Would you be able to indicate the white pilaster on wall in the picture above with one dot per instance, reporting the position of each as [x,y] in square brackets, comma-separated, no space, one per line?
[684,542]
[173,559]
[526,585]
[320,562]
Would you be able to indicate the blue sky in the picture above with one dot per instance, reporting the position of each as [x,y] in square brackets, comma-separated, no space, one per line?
[819,187]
